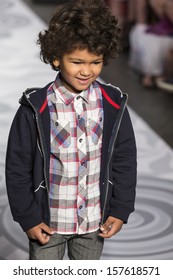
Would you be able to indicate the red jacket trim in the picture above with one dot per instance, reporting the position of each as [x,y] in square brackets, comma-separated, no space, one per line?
[109,99]
[43,106]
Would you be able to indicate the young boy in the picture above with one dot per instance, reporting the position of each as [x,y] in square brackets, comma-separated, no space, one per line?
[71,157]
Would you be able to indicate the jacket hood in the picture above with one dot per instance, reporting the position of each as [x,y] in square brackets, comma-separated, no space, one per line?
[34,96]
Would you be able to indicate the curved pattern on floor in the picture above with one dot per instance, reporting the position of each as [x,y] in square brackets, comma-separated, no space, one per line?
[149,233]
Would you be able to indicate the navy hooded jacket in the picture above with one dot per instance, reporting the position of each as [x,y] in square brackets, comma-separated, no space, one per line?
[28,155]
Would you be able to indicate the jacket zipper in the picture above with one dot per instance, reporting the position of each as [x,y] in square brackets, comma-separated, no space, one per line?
[111,149]
[41,142]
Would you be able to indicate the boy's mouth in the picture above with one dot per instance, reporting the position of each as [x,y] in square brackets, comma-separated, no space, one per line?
[83,81]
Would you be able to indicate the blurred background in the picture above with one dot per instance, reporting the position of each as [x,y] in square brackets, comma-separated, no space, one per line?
[144,71]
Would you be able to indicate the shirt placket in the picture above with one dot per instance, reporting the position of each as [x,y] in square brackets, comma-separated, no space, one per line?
[82,157]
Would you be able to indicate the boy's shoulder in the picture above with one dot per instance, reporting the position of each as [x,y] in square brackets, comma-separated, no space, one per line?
[31,92]
[115,93]
[35,95]
[111,87]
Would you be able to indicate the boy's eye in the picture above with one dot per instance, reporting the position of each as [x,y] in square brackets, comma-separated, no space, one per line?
[76,62]
[80,62]
[97,62]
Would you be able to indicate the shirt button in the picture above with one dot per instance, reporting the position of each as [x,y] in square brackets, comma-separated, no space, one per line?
[80,140]
[83,162]
[56,123]
[80,207]
[78,97]
[100,119]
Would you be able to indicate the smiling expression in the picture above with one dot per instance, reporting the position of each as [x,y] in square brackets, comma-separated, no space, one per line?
[79,69]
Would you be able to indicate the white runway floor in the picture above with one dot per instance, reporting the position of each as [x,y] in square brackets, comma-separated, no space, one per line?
[149,233]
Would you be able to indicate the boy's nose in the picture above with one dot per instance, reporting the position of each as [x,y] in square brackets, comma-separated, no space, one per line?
[85,72]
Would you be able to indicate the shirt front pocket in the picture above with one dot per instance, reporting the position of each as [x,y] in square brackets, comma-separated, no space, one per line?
[60,134]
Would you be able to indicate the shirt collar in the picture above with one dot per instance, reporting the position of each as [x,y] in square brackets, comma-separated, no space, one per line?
[67,96]
[60,91]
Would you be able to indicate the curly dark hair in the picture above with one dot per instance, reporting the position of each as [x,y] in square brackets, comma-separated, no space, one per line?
[80,24]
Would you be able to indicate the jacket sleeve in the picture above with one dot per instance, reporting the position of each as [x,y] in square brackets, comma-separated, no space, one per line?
[19,167]
[124,171]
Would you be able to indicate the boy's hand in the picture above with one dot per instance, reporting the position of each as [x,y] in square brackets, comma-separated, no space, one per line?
[41,233]
[111,227]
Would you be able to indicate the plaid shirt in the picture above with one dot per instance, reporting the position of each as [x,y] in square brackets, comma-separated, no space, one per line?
[76,141]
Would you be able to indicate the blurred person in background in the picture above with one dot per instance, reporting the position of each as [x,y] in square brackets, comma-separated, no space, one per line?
[120,9]
[166,82]
[151,39]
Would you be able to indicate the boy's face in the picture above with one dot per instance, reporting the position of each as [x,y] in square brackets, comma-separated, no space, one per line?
[79,69]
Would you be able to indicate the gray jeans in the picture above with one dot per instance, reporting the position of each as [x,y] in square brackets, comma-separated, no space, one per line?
[79,247]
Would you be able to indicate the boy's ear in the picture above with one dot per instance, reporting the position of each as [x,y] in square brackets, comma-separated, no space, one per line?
[56,62]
